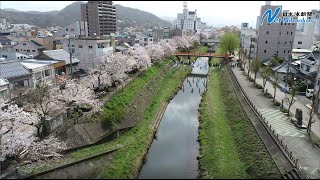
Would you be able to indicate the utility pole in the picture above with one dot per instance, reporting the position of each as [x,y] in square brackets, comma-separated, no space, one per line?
[250,56]
[70,53]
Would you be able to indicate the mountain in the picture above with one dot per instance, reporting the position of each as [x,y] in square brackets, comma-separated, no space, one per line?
[126,17]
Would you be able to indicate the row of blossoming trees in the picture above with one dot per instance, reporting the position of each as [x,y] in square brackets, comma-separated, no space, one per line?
[20,127]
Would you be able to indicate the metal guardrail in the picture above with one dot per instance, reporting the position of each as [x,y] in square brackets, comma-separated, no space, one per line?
[288,153]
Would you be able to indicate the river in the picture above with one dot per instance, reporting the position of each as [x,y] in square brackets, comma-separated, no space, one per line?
[174,153]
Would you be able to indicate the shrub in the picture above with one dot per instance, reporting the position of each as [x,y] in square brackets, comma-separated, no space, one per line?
[284,110]
[276,103]
[268,95]
[258,86]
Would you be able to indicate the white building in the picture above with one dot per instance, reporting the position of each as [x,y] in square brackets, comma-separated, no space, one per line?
[248,36]
[188,20]
[77,28]
[42,72]
[4,89]
[89,50]
[305,32]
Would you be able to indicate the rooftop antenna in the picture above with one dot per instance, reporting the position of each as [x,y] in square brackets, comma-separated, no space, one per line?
[185,4]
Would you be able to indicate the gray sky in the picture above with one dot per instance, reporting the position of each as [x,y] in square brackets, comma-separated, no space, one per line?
[213,12]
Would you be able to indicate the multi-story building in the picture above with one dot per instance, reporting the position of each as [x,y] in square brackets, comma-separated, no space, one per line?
[248,38]
[274,38]
[144,39]
[100,16]
[77,28]
[188,20]
[90,50]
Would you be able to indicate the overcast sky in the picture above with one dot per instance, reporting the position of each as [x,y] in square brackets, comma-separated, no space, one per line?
[215,13]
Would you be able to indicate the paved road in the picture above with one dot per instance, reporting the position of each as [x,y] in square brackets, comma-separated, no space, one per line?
[296,139]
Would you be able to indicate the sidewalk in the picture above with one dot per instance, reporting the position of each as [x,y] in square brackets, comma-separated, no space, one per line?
[315,128]
[296,139]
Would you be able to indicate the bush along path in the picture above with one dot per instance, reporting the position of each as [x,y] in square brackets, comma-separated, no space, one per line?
[229,144]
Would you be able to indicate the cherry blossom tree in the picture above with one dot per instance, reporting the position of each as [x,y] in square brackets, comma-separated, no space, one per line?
[47,148]
[115,66]
[167,47]
[15,131]
[155,52]
[77,93]
[140,55]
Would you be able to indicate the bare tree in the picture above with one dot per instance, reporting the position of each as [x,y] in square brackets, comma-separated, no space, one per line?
[255,67]
[293,92]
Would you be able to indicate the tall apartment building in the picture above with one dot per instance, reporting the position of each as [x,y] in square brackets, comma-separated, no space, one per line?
[248,38]
[274,38]
[100,16]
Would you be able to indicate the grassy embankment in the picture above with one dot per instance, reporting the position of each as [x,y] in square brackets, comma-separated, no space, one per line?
[126,161]
[230,146]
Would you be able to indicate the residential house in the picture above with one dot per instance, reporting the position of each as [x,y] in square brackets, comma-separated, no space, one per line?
[16,74]
[282,69]
[63,57]
[31,48]
[42,72]
[144,39]
[4,89]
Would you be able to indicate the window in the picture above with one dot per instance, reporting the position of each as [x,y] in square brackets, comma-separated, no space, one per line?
[17,50]
[24,44]
[277,52]
[33,50]
[287,32]
[47,73]
[285,23]
[288,23]
[291,33]
[80,46]
[267,32]
[24,50]
[307,68]
[279,33]
[288,51]
[278,42]
[18,57]
[19,84]
[28,50]
[266,42]
[284,51]
[90,47]
[265,51]
[5,56]
[299,42]
[67,29]
[285,42]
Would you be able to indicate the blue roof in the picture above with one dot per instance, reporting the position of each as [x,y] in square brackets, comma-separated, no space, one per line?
[9,70]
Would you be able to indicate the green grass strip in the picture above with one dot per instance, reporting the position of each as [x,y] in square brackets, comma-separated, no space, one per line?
[220,157]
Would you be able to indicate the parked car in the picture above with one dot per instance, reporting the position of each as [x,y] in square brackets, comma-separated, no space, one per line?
[309,93]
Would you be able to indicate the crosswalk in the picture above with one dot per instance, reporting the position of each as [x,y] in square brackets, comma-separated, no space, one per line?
[281,124]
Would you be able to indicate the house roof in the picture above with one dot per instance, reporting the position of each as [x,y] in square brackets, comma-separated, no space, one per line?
[282,68]
[33,65]
[3,82]
[310,59]
[13,69]
[60,55]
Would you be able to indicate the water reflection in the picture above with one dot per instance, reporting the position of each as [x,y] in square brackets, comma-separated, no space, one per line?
[174,153]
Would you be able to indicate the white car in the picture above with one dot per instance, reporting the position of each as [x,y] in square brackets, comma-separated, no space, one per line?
[309,93]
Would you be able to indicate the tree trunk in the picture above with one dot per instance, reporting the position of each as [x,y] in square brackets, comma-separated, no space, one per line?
[255,77]
[274,93]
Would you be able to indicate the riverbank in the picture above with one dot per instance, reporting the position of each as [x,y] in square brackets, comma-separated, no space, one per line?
[229,144]
[127,161]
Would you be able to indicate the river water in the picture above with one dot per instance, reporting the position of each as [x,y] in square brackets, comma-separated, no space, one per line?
[174,153]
